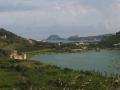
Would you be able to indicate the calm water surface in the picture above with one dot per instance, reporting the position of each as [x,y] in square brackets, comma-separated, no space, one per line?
[108,61]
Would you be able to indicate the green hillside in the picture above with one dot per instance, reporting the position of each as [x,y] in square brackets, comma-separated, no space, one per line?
[9,40]
[111,41]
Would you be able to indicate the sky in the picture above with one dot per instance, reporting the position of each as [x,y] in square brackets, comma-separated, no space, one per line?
[38,19]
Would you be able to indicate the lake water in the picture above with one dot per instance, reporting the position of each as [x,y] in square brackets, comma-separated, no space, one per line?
[104,61]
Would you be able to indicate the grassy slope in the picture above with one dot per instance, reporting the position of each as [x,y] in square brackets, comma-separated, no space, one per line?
[24,75]
[12,41]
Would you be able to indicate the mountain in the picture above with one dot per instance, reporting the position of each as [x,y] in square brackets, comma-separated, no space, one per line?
[98,38]
[54,37]
[74,38]
[89,38]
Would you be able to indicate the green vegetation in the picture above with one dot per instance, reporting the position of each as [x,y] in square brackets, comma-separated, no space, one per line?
[39,76]
[9,40]
[110,41]
[33,75]
[37,52]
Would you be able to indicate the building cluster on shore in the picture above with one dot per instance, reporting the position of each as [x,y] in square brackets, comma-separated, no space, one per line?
[3,37]
[17,56]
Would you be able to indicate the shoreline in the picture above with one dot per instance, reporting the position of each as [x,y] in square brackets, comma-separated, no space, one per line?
[37,75]
[53,51]
[41,75]
[49,53]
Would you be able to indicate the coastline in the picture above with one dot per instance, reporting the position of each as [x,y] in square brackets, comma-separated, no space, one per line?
[37,75]
[65,53]
[54,51]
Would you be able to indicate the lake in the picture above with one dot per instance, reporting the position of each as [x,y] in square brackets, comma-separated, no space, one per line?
[104,61]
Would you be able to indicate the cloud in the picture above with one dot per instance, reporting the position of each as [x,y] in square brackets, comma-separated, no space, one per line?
[43,17]
[116,6]
[16,5]
[112,19]
[44,5]
[50,13]
[73,8]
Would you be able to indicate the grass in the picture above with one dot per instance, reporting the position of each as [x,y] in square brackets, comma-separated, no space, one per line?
[36,52]
[25,75]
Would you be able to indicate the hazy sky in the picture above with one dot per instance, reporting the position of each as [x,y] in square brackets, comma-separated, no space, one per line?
[40,18]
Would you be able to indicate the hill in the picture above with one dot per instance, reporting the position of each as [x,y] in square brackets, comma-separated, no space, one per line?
[76,38]
[54,37]
[112,41]
[89,38]
[9,40]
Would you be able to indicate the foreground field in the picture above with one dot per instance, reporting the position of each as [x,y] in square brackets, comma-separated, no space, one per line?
[32,75]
